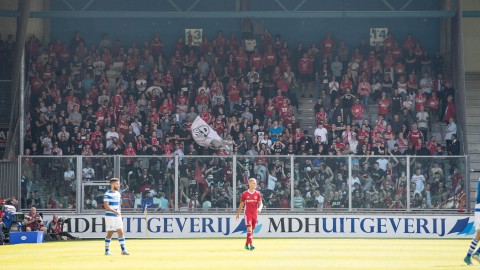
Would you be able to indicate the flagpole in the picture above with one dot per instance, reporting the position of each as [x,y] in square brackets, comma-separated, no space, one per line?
[146,222]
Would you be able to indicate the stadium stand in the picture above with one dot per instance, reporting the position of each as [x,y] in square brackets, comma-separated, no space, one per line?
[320,103]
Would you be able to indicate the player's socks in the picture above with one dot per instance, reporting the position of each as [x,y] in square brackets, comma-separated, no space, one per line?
[122,243]
[107,245]
[473,245]
[249,238]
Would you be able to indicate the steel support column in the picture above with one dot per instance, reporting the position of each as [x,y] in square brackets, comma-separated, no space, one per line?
[24,10]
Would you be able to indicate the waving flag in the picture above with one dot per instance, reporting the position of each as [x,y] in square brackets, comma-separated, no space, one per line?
[205,135]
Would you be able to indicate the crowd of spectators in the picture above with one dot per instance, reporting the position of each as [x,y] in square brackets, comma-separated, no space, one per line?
[105,98]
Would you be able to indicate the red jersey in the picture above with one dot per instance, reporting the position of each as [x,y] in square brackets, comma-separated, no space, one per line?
[218,126]
[256,60]
[251,201]
[269,58]
[362,134]
[206,117]
[433,103]
[241,59]
[384,105]
[420,101]
[413,136]
[328,44]
[321,116]
[278,100]
[433,147]
[305,66]
[233,93]
[201,100]
[357,111]
[389,135]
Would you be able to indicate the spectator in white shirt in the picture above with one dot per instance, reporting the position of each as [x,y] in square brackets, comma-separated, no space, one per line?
[419,181]
[110,135]
[321,132]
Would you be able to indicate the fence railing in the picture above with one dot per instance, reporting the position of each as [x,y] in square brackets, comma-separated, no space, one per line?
[215,183]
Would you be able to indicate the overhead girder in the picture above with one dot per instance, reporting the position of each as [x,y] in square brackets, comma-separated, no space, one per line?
[233,14]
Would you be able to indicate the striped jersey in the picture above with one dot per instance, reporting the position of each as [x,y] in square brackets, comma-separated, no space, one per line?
[113,198]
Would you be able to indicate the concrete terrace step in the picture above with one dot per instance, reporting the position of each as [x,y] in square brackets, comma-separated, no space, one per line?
[473,119]
[472,76]
[472,92]
[473,138]
[475,158]
[472,102]
[306,101]
[472,84]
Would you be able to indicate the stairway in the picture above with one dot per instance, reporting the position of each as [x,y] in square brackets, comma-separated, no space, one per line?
[306,114]
[472,97]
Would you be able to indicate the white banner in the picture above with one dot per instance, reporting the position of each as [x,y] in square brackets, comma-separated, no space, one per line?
[278,226]
[205,135]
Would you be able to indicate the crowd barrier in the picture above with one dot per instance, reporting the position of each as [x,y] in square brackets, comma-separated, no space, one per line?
[213,184]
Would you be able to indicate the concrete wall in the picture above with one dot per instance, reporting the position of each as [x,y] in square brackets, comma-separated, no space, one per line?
[471,37]
[39,27]
[426,30]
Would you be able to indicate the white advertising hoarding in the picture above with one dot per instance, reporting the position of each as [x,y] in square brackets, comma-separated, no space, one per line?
[277,226]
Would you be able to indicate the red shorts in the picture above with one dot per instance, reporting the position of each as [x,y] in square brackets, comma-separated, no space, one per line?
[250,221]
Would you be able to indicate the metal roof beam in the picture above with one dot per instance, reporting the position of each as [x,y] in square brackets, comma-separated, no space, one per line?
[232,14]
[406,5]
[281,5]
[299,5]
[388,5]
[87,5]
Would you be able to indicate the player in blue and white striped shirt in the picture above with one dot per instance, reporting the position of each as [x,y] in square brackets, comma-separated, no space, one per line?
[113,218]
[476,239]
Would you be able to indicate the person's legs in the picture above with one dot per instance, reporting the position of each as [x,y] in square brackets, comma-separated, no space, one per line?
[121,238]
[254,223]
[108,238]
[471,249]
[248,224]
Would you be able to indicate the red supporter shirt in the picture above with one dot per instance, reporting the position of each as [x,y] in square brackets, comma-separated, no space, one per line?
[357,111]
[256,60]
[242,59]
[251,201]
[233,93]
[413,136]
[321,116]
[218,126]
[433,103]
[269,58]
[384,105]
[328,44]
[305,66]
[420,101]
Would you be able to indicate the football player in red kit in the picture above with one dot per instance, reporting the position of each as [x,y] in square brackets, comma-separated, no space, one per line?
[252,200]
